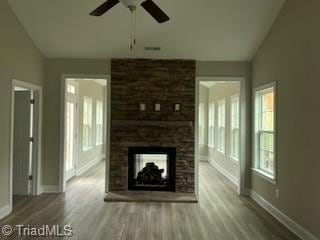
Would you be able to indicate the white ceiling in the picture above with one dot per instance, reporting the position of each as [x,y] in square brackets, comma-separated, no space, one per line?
[229,30]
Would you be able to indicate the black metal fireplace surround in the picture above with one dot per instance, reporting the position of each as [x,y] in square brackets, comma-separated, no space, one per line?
[148,175]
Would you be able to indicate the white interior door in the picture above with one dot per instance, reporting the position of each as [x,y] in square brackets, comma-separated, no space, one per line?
[22,144]
[71,134]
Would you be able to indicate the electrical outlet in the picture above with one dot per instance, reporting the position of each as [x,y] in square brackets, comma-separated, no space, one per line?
[277,193]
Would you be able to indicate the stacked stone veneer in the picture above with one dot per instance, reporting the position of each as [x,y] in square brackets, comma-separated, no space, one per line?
[135,81]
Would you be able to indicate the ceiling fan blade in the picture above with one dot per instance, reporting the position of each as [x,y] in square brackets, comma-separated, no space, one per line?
[155,11]
[103,8]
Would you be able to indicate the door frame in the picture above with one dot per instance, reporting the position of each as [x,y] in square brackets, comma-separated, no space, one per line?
[62,170]
[76,130]
[37,144]
[244,129]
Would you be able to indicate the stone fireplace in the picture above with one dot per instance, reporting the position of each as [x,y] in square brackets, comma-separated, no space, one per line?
[152,110]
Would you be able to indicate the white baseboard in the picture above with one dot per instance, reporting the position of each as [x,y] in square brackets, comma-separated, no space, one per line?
[228,175]
[50,189]
[89,165]
[284,219]
[203,158]
[5,211]
[247,192]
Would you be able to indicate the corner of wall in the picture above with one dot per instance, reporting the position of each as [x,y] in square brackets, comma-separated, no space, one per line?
[5,211]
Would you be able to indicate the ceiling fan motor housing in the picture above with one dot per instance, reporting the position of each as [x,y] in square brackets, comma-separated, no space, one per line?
[130,3]
[152,8]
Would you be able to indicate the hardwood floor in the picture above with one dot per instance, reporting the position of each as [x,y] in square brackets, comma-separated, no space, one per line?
[219,215]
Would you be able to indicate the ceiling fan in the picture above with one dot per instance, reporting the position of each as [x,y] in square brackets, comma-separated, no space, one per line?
[152,8]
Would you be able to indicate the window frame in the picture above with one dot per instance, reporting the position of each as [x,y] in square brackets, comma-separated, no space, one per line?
[212,125]
[257,132]
[232,140]
[99,142]
[90,125]
[71,89]
[201,123]
[219,144]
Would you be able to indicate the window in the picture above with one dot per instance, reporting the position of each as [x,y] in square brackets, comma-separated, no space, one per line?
[71,89]
[235,127]
[265,130]
[211,124]
[201,123]
[221,125]
[87,123]
[99,123]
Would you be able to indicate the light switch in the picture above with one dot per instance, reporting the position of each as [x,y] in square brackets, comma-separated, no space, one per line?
[157,107]
[143,107]
[177,107]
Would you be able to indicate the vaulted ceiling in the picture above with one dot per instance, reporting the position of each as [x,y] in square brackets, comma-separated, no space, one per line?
[229,30]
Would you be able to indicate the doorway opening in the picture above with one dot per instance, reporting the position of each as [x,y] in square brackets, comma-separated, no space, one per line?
[84,126]
[25,141]
[219,127]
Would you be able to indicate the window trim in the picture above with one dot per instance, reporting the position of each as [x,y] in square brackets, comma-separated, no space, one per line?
[256,161]
[234,158]
[202,123]
[264,175]
[212,139]
[99,143]
[71,85]
[218,126]
[90,145]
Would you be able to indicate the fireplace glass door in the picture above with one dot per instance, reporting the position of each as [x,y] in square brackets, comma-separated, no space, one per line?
[151,169]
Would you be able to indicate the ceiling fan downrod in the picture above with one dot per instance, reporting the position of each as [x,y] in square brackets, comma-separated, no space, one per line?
[133,40]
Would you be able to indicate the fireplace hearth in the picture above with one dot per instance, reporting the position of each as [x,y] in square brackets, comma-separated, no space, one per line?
[151,168]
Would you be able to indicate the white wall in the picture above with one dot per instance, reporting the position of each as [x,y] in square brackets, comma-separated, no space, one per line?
[55,68]
[19,59]
[289,56]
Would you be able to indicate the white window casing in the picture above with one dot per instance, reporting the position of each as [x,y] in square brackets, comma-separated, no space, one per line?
[87,124]
[99,122]
[235,132]
[222,125]
[265,131]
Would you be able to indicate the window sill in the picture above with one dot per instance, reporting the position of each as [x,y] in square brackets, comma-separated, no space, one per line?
[264,175]
[86,149]
[221,151]
[210,146]
[234,159]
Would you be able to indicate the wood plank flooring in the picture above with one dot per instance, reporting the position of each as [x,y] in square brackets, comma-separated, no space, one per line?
[219,215]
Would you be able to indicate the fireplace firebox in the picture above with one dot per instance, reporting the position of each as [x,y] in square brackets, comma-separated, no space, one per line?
[151,168]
